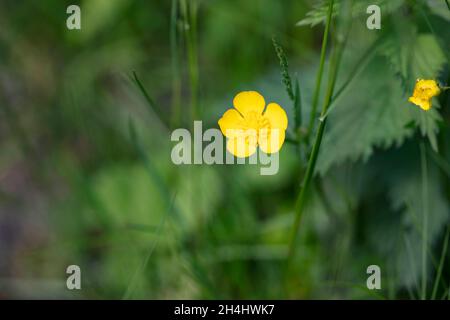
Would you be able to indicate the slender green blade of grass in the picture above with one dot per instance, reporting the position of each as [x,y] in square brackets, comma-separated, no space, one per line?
[321,67]
[147,97]
[441,264]
[189,10]
[430,26]
[133,283]
[446,294]
[440,161]
[413,266]
[150,167]
[164,191]
[419,230]
[150,102]
[301,200]
[423,164]
[175,56]
[361,64]
[297,106]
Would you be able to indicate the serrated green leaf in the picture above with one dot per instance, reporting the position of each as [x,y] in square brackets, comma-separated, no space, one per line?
[372,114]
[402,227]
[318,14]
[413,56]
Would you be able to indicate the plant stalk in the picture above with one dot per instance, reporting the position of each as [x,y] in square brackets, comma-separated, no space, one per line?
[441,264]
[176,75]
[312,116]
[190,20]
[302,197]
[423,162]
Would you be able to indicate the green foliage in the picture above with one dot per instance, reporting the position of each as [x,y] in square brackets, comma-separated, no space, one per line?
[407,201]
[373,114]
[318,14]
[412,56]
[87,176]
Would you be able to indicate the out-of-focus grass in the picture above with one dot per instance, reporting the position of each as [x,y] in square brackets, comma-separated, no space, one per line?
[78,186]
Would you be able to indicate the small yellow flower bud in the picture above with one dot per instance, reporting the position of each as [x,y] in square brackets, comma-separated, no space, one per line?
[424,90]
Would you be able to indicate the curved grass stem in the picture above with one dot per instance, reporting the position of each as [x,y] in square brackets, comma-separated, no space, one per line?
[189,10]
[323,51]
[424,166]
[360,66]
[302,197]
[176,74]
[441,264]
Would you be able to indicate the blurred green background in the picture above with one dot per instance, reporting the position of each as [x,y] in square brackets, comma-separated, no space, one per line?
[86,176]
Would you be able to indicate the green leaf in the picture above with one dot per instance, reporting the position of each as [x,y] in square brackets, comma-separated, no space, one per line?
[318,14]
[413,56]
[397,233]
[372,114]
[428,123]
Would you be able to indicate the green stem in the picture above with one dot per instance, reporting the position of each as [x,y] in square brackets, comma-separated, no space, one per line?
[176,76]
[423,160]
[312,116]
[441,264]
[190,19]
[361,64]
[301,200]
[297,107]
[421,6]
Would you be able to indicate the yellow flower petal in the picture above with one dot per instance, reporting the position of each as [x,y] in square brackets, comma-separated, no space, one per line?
[230,122]
[242,146]
[270,141]
[249,101]
[276,116]
[426,89]
[246,126]
[424,104]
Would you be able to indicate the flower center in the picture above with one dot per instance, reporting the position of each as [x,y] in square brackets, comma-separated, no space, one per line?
[256,121]
[255,126]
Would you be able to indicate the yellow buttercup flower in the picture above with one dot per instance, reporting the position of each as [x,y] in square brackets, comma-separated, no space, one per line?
[423,92]
[248,125]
